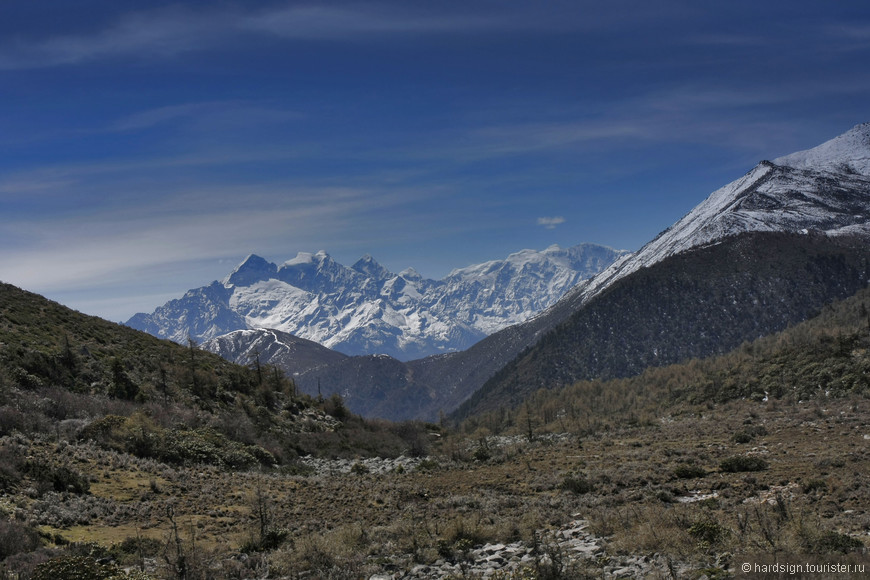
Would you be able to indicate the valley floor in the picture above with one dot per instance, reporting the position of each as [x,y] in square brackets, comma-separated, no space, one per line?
[694,495]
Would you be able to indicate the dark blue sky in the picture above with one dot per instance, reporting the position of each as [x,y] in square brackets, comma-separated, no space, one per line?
[147,147]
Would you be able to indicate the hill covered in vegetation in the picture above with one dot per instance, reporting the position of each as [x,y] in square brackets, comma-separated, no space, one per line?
[826,357]
[697,304]
[64,373]
[686,470]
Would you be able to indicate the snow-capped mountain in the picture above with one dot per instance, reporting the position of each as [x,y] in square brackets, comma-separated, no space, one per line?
[767,250]
[747,261]
[824,189]
[365,308]
[273,347]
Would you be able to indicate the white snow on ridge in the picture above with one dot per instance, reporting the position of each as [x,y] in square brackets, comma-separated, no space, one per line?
[847,153]
[702,225]
[305,258]
[365,309]
[824,189]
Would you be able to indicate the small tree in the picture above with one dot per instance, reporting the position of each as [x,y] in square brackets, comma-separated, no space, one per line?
[257,368]
[192,348]
[122,387]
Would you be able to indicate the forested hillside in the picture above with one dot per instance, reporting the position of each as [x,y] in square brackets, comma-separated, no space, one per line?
[825,357]
[696,304]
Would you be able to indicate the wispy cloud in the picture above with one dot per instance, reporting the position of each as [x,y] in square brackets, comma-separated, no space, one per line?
[152,117]
[68,252]
[110,244]
[848,36]
[169,32]
[161,33]
[551,222]
[729,40]
[107,179]
[687,112]
[337,22]
[527,137]
[212,116]
[164,33]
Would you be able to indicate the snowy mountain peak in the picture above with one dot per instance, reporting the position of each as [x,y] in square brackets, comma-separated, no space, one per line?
[306,258]
[369,267]
[252,269]
[410,274]
[847,153]
[366,309]
[825,189]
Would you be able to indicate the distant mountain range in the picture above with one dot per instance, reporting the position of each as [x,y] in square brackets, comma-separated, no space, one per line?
[767,250]
[366,309]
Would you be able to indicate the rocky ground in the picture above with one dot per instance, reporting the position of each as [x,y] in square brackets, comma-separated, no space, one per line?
[571,548]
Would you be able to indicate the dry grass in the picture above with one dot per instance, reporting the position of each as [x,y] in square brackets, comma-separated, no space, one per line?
[812,498]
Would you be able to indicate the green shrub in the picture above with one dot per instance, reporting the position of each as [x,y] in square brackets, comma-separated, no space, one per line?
[66,479]
[690,471]
[459,538]
[577,485]
[334,406]
[748,433]
[59,479]
[16,538]
[482,454]
[101,429]
[210,447]
[75,568]
[742,437]
[359,469]
[835,543]
[136,546]
[741,463]
[814,485]
[9,474]
[708,531]
[428,465]
[272,539]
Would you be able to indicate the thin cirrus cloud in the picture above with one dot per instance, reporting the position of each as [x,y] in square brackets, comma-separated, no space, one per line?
[163,33]
[528,137]
[209,116]
[157,116]
[109,245]
[168,32]
[114,243]
[325,22]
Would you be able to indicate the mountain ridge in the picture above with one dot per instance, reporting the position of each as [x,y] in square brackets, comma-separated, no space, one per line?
[824,177]
[702,302]
[816,219]
[365,308]
[821,196]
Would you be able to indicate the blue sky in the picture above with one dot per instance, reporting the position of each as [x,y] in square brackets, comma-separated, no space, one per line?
[147,147]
